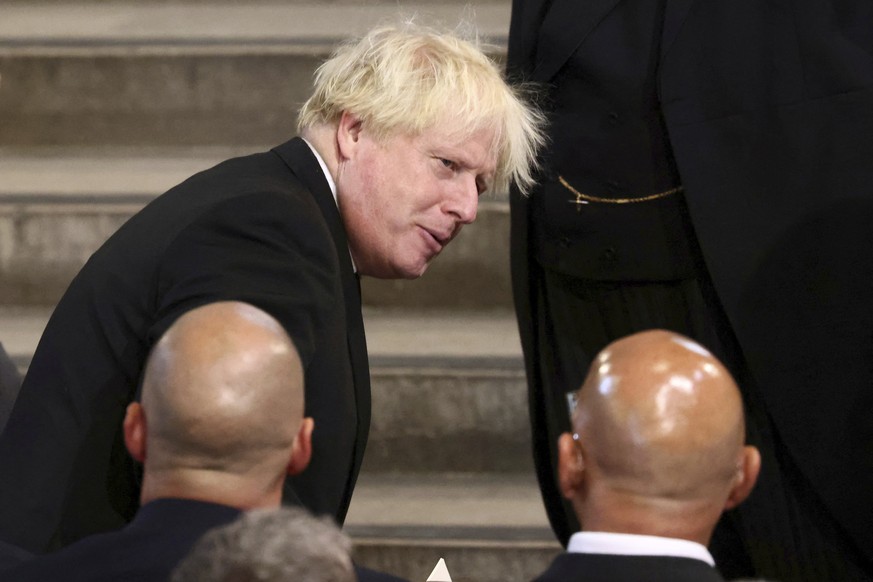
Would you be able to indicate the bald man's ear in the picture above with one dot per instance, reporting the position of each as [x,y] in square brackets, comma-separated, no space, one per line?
[301,451]
[747,475]
[571,466]
[135,431]
[348,134]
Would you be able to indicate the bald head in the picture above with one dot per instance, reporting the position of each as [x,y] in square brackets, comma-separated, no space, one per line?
[222,400]
[660,421]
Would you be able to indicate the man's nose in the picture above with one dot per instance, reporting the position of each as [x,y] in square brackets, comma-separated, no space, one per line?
[464,202]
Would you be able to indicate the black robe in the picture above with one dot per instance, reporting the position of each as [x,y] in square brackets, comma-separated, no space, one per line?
[768,110]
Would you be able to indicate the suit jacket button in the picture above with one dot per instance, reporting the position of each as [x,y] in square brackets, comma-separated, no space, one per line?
[609,255]
[566,242]
[614,117]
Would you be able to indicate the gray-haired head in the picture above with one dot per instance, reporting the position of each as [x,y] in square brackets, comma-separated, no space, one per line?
[270,545]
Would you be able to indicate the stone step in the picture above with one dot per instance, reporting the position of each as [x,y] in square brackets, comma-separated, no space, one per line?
[448,389]
[221,3]
[489,528]
[57,208]
[133,74]
[476,560]
[77,23]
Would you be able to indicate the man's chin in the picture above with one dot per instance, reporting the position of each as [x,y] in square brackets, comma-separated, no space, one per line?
[413,269]
[414,273]
[408,272]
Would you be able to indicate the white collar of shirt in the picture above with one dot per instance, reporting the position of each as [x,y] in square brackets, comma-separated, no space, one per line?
[597,542]
[332,185]
[324,170]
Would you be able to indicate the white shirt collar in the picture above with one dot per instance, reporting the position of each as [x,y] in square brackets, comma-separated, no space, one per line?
[332,185]
[324,170]
[597,542]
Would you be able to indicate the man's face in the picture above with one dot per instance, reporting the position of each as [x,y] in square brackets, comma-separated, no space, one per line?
[405,198]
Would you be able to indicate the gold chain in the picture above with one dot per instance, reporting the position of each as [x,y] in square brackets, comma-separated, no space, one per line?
[586,198]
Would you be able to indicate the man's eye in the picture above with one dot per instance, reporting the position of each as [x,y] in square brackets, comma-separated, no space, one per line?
[447,163]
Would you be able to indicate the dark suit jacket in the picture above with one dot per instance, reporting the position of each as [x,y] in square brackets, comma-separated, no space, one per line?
[263,229]
[10,382]
[609,568]
[146,550]
[11,556]
[367,575]
[769,110]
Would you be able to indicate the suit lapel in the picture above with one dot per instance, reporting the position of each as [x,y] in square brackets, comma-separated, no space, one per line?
[527,17]
[297,155]
[302,161]
[674,18]
[566,26]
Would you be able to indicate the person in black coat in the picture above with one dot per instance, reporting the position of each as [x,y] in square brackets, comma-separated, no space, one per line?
[404,131]
[211,446]
[10,383]
[707,172]
[656,455]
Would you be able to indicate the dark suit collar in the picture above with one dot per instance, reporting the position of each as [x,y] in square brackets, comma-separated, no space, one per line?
[527,17]
[297,154]
[163,513]
[568,23]
[674,18]
[178,506]
[299,157]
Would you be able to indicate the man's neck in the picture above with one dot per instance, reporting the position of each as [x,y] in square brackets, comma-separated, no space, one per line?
[318,141]
[634,514]
[220,489]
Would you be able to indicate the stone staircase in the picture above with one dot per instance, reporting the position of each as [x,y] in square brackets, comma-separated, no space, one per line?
[104,105]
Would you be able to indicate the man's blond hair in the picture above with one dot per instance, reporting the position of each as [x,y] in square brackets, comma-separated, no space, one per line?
[407,79]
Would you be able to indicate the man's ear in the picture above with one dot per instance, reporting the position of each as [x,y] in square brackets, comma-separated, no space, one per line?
[301,450]
[134,428]
[571,466]
[747,474]
[348,135]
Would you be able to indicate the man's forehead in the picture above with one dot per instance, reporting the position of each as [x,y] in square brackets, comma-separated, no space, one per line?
[476,148]
[452,131]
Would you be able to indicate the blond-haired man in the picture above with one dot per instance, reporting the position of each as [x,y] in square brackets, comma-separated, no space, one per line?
[407,127]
